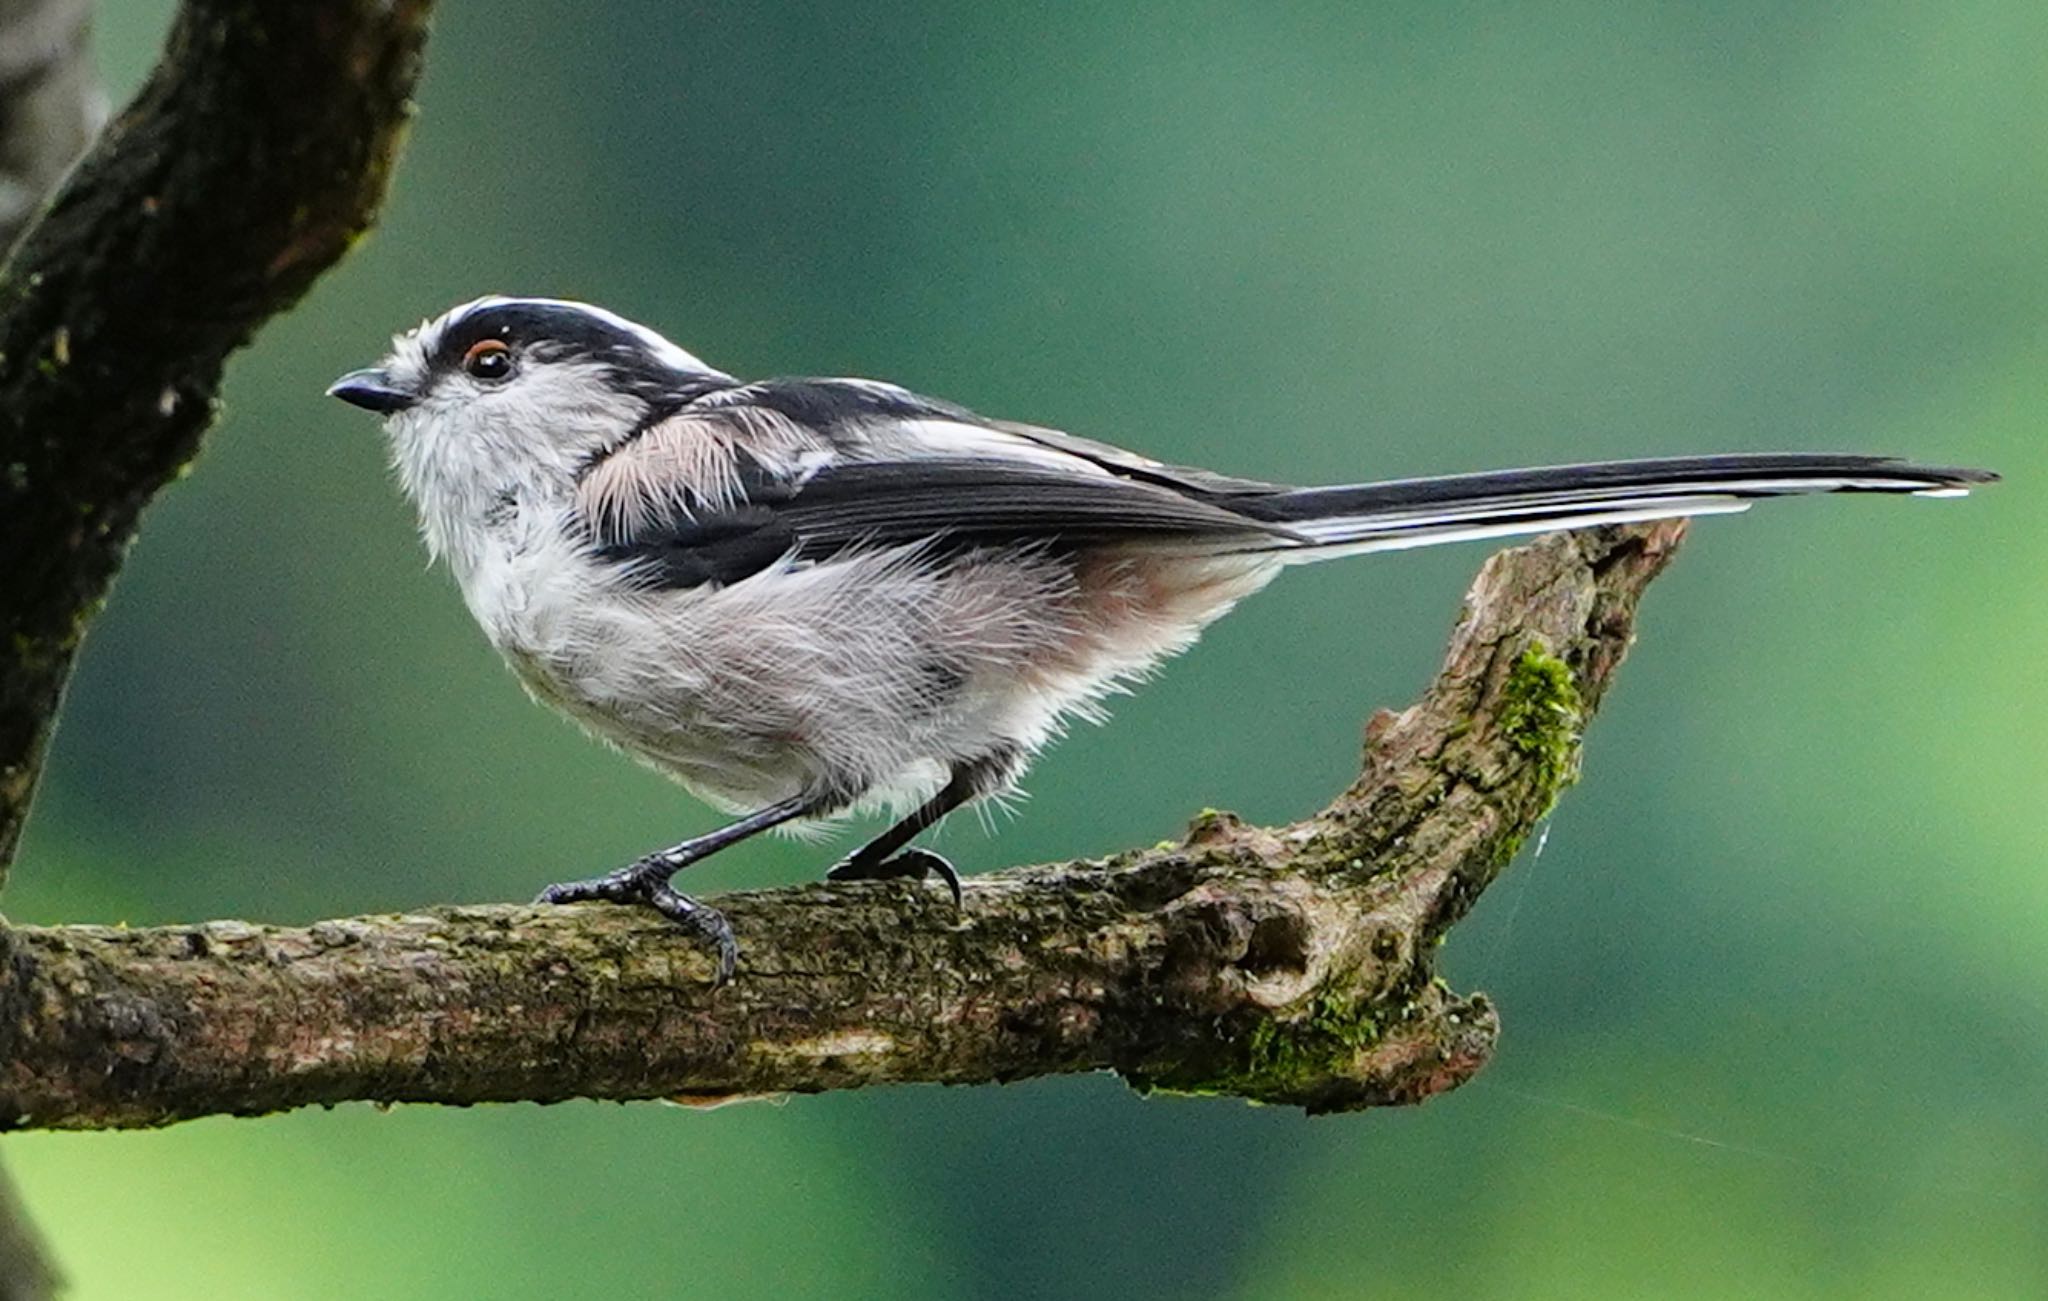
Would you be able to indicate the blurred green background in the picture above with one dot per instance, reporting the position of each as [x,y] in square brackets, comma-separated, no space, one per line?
[1776,991]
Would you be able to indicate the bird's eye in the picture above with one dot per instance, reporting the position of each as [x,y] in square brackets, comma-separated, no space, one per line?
[488,359]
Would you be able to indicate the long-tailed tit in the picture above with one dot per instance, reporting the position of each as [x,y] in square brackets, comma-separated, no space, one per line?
[800,597]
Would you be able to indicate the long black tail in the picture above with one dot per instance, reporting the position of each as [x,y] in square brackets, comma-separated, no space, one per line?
[1422,512]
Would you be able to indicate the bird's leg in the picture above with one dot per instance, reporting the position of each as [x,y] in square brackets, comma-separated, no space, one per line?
[646,880]
[886,858]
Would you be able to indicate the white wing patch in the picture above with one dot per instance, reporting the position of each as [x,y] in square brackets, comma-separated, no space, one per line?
[690,459]
[909,439]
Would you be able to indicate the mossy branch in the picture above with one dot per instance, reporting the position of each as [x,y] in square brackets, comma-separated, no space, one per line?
[255,155]
[1288,965]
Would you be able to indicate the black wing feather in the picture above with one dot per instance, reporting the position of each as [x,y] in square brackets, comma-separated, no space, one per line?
[1564,485]
[950,506]
[957,504]
[832,405]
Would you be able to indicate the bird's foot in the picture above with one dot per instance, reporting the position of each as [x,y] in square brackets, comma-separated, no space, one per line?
[909,864]
[647,882]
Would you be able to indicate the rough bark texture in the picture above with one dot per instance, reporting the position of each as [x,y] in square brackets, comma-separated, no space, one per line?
[1288,965]
[51,106]
[257,152]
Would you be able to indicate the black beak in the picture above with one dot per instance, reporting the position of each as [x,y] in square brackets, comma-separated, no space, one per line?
[372,390]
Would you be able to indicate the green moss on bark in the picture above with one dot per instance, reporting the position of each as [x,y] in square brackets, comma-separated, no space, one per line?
[1541,713]
[1283,1058]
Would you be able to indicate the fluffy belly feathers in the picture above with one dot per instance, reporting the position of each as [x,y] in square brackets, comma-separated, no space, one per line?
[864,678]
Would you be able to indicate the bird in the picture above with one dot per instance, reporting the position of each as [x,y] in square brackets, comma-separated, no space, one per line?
[802,598]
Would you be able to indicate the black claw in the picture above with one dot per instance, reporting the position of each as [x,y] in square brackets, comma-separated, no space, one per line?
[646,882]
[911,864]
[703,919]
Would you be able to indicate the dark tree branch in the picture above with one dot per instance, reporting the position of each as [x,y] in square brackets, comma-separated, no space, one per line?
[1291,965]
[74,457]
[255,155]
[50,106]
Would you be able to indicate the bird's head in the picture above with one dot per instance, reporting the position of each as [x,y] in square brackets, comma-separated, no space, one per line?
[520,390]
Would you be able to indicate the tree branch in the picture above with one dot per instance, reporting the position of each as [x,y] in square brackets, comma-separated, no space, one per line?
[1290,965]
[144,242]
[255,155]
